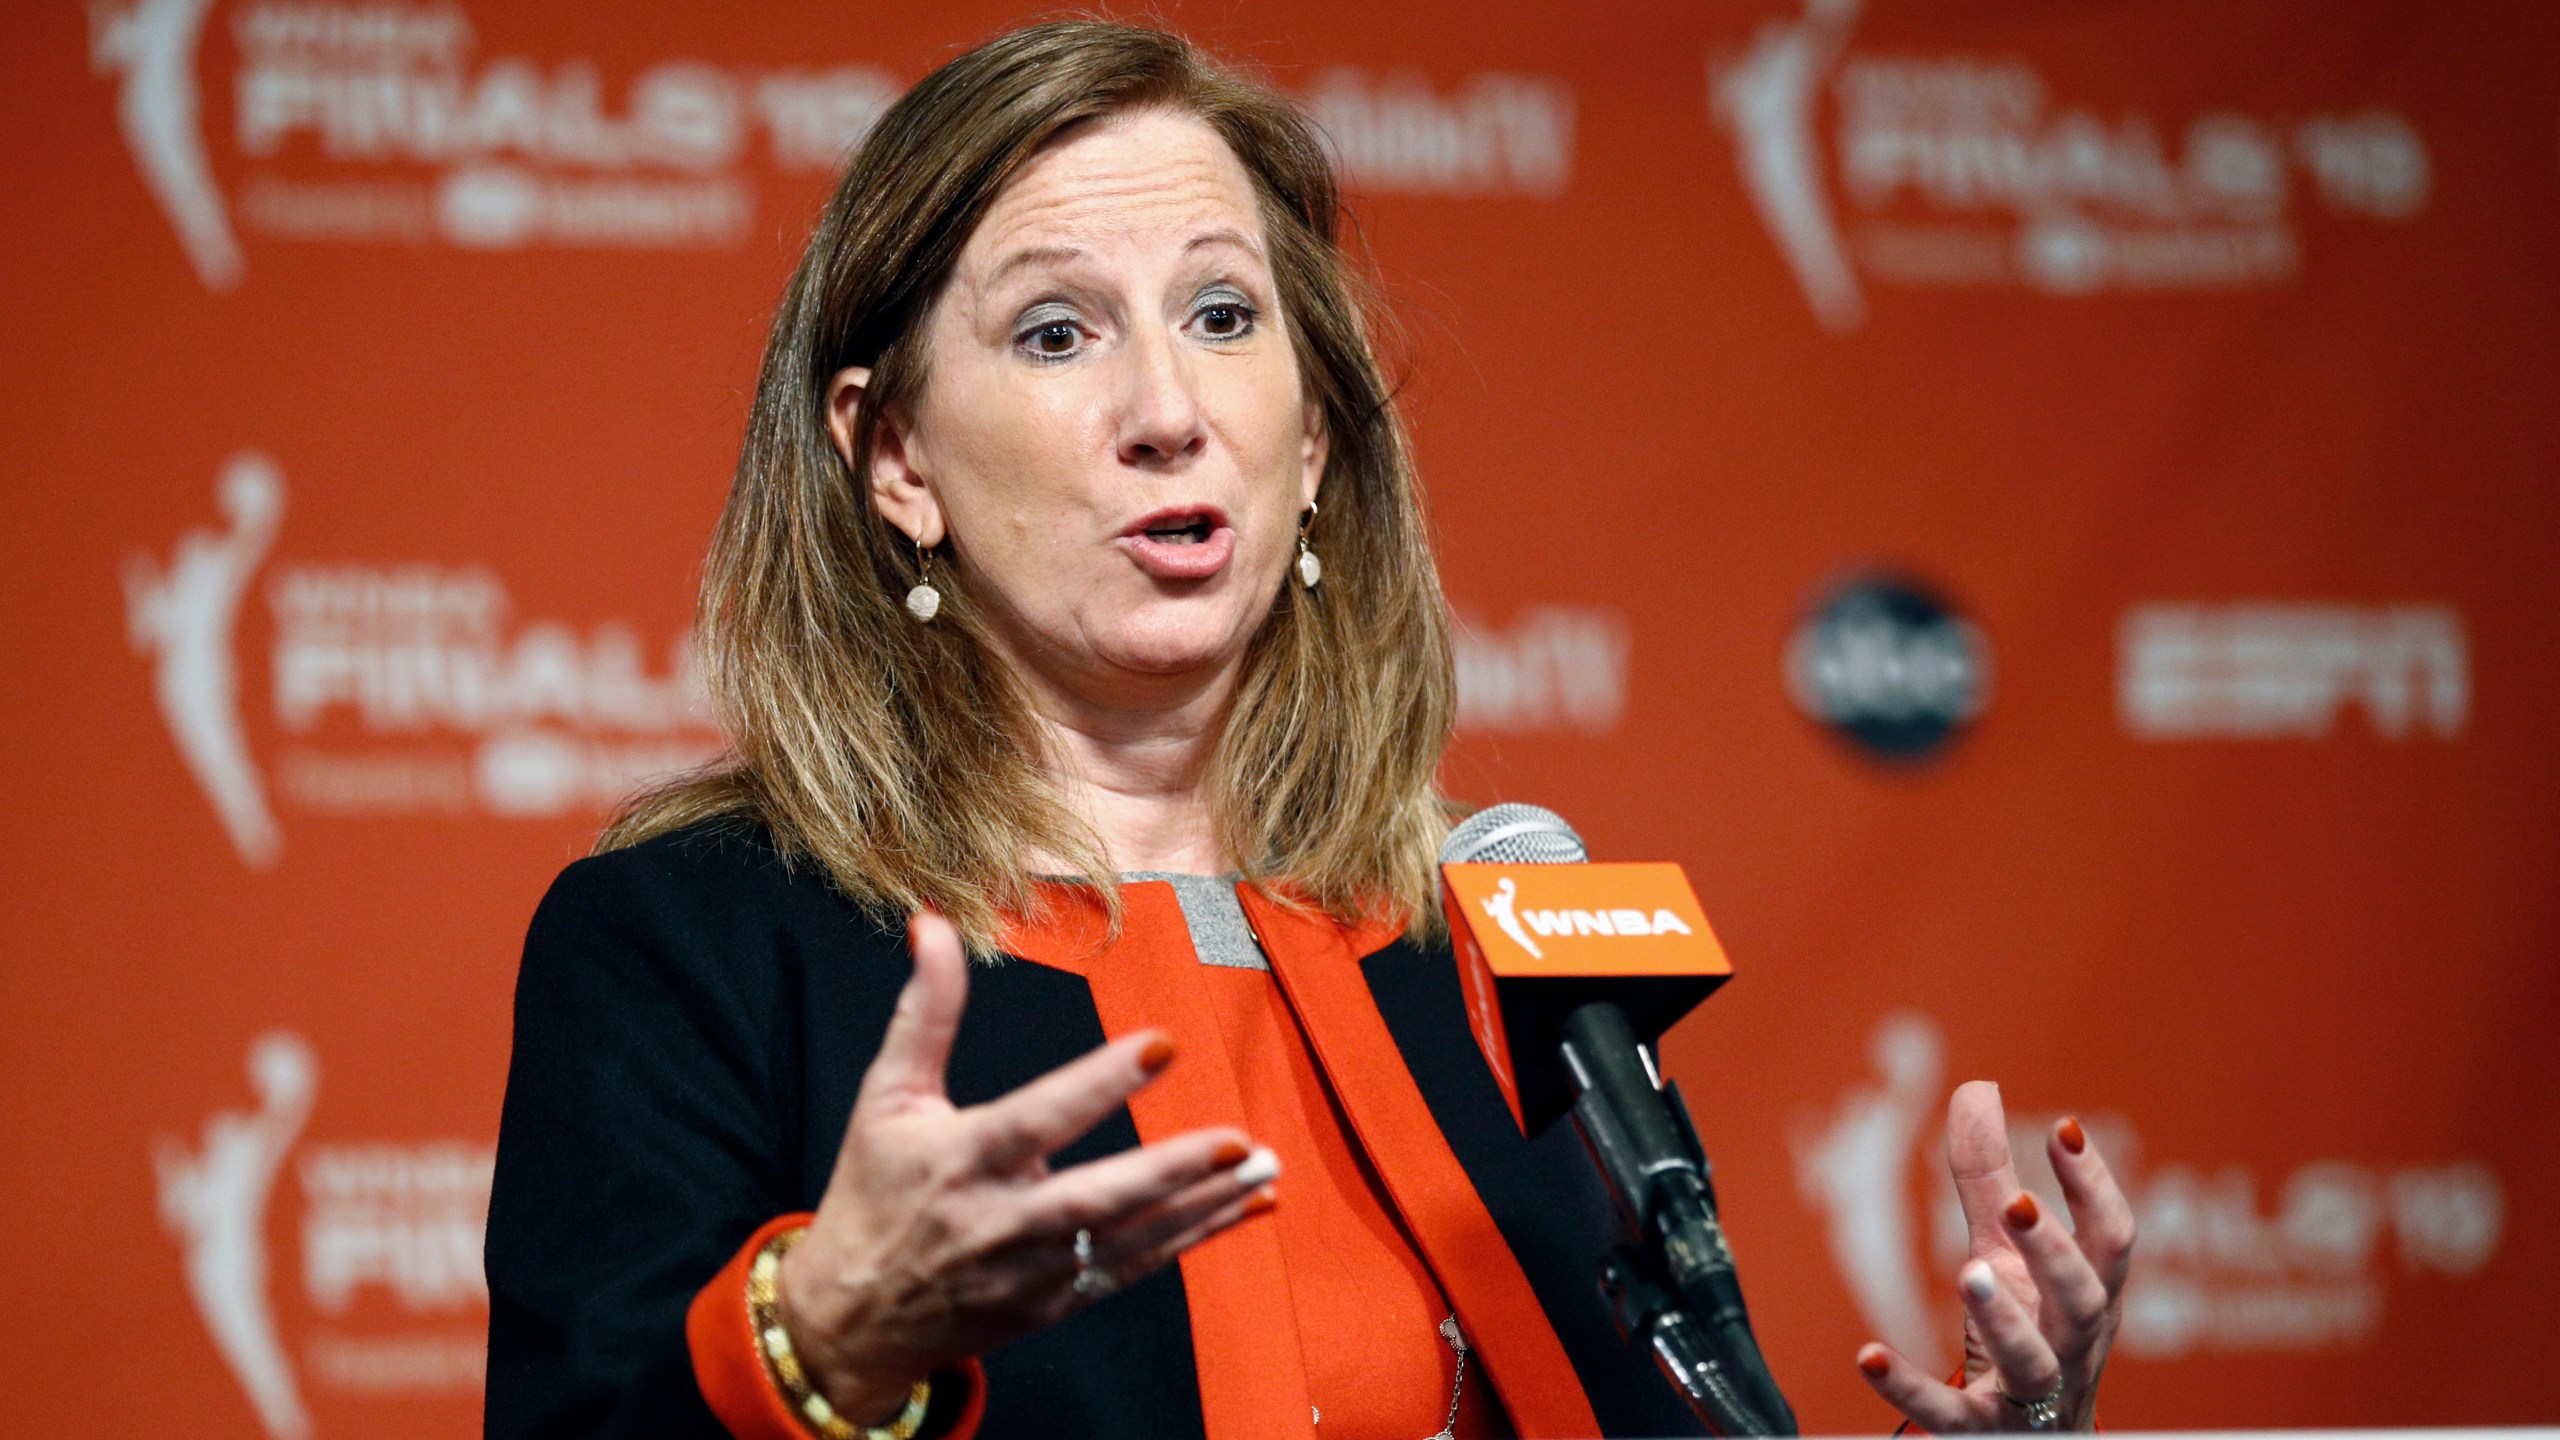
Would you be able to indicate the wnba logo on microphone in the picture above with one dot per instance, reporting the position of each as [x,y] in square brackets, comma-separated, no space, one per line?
[1503,908]
[1584,919]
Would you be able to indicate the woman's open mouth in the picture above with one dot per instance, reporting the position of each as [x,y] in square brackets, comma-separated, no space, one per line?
[1184,543]
[1188,532]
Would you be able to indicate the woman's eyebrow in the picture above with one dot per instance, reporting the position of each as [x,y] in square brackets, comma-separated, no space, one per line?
[1227,236]
[1034,255]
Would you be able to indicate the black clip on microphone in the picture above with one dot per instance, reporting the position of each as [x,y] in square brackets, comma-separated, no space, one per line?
[1673,1290]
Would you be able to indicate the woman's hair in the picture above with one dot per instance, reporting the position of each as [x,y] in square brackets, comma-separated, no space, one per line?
[904,758]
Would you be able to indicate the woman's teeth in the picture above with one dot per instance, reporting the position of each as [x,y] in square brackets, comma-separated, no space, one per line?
[1191,533]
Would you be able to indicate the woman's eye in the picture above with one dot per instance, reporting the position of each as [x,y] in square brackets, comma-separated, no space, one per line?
[1053,341]
[1226,320]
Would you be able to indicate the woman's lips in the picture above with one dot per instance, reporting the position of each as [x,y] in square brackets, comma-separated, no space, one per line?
[1182,559]
[1181,542]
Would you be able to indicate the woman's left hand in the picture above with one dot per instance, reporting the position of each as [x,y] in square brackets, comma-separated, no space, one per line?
[2041,1298]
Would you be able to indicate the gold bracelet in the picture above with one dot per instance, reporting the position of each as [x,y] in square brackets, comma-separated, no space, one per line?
[764,1316]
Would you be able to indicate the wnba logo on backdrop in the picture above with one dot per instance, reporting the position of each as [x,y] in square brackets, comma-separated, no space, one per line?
[1956,170]
[398,689]
[334,107]
[386,1226]
[2220,1271]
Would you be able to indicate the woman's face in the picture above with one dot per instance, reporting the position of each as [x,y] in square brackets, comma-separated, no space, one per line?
[1111,428]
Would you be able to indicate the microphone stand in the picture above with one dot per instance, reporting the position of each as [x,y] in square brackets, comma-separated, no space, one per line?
[1671,1285]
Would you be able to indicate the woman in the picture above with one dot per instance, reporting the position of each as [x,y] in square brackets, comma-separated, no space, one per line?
[1073,599]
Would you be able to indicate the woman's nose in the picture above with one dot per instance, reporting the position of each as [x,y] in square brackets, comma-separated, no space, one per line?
[1160,402]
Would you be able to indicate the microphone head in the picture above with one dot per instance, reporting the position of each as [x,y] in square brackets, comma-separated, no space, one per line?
[1514,834]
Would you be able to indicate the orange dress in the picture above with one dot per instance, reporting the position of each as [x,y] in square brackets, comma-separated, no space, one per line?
[1368,1309]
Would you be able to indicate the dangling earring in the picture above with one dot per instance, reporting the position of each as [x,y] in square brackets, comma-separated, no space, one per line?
[1310,569]
[924,602]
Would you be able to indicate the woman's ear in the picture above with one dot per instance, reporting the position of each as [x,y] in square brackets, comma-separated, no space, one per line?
[897,486]
[1312,452]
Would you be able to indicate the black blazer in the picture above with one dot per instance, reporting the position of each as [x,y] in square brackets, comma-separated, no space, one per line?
[693,1018]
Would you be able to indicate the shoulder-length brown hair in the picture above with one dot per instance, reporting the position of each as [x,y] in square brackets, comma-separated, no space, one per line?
[902,757]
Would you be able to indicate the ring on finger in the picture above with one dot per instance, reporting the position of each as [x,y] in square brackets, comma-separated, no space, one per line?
[2044,1414]
[1092,1281]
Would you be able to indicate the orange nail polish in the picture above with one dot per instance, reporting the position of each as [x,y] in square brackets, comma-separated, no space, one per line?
[1231,1152]
[1155,1055]
[2021,1212]
[2074,1139]
[1874,1361]
[1262,1201]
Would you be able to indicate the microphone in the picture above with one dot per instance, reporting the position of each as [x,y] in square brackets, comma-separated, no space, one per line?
[1537,944]
[1570,969]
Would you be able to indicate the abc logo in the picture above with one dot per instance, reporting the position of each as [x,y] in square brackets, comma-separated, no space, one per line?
[1889,665]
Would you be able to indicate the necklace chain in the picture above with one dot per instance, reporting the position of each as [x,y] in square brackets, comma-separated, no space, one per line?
[1457,1339]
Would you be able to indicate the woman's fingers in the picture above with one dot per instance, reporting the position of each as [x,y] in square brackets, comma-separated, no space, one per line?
[1149,1228]
[1142,1227]
[2101,1218]
[2023,1364]
[1108,1192]
[1932,1404]
[1048,1114]
[1978,1158]
[2072,1299]
[1141,1251]
[1131,1244]
[916,1051]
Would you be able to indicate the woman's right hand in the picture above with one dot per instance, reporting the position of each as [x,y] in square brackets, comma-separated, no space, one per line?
[943,1232]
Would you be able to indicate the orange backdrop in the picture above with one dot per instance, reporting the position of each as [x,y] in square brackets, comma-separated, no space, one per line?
[2046,511]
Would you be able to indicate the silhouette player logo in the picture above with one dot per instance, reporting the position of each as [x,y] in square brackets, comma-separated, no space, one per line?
[184,616]
[151,45]
[1499,905]
[1855,1168]
[213,1198]
[1767,100]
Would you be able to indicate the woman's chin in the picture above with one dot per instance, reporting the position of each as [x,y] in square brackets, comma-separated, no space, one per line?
[1164,661]
[1171,645]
